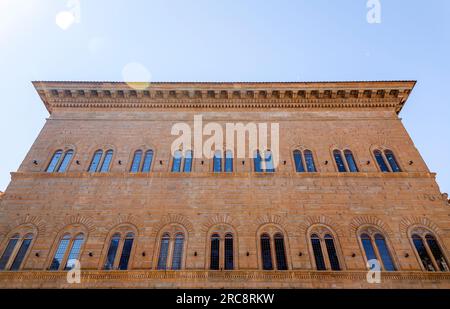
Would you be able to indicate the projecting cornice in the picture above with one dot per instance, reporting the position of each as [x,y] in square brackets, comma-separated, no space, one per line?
[286,95]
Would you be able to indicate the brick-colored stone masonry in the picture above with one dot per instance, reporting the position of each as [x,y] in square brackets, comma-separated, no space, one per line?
[321,117]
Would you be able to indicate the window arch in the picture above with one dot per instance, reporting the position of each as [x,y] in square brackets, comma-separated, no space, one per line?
[16,251]
[172,245]
[141,162]
[60,161]
[304,161]
[375,247]
[222,250]
[324,249]
[386,161]
[120,248]
[428,250]
[99,165]
[347,165]
[67,252]
[273,249]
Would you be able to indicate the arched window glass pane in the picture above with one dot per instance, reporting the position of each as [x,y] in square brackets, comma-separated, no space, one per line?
[22,252]
[54,161]
[339,162]
[95,161]
[65,162]
[423,254]
[136,161]
[318,254]
[228,161]
[147,161]
[368,248]
[74,252]
[60,251]
[384,253]
[229,260]
[280,252]
[111,255]
[268,158]
[178,252]
[215,247]
[188,162]
[257,161]
[309,159]
[266,254]
[350,161]
[437,253]
[8,251]
[176,164]
[217,161]
[107,161]
[380,161]
[299,168]
[126,251]
[332,254]
[392,161]
[163,251]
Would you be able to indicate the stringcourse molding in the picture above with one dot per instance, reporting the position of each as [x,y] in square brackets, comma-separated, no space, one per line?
[411,221]
[324,220]
[219,219]
[376,94]
[171,219]
[357,222]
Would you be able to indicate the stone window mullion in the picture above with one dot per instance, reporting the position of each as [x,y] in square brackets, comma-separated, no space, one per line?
[377,252]
[326,256]
[430,254]
[119,251]
[14,253]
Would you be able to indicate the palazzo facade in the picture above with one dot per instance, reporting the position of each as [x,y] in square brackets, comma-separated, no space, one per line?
[100,186]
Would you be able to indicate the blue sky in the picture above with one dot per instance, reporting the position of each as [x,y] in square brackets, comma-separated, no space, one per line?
[234,40]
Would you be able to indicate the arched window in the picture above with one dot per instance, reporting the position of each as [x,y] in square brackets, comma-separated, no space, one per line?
[280,252]
[229,255]
[176,164]
[339,161]
[59,163]
[278,256]
[148,158]
[217,161]
[350,161]
[95,163]
[308,160]
[164,251]
[68,252]
[228,161]
[268,160]
[299,168]
[54,161]
[171,251]
[215,248]
[392,161]
[380,160]
[106,161]
[324,249]
[221,252]
[188,161]
[119,251]
[15,252]
[178,251]
[257,161]
[429,251]
[266,252]
[376,248]
[136,161]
